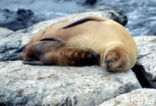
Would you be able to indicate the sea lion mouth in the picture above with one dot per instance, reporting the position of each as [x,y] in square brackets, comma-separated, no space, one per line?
[109,66]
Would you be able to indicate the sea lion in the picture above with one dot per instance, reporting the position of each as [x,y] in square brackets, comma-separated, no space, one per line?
[111,42]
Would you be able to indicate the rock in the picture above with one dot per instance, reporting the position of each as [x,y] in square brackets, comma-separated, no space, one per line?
[4,31]
[17,20]
[118,16]
[139,97]
[11,41]
[146,62]
[55,85]
[145,44]
[90,2]
[23,18]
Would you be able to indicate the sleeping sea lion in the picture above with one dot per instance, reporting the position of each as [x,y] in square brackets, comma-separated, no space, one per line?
[93,36]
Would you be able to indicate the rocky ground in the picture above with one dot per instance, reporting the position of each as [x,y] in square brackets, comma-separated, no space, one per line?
[26,13]
[22,18]
[81,86]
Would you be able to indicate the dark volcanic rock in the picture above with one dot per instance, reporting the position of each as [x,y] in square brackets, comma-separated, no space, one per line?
[117,15]
[90,2]
[146,62]
[123,20]
[17,20]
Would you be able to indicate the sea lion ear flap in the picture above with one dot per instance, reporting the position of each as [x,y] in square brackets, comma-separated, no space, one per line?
[53,39]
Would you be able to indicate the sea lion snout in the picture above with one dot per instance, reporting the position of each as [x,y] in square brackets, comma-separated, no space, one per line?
[115,60]
[110,59]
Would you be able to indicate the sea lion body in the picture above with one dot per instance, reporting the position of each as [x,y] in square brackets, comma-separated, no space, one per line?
[114,44]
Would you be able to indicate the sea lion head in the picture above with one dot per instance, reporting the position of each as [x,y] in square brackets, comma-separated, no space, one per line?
[115,59]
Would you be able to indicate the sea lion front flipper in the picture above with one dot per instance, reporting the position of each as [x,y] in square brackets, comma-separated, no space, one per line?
[89,18]
[71,56]
[17,55]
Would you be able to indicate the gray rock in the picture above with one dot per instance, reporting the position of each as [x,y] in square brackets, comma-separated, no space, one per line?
[19,19]
[146,45]
[54,85]
[12,41]
[147,57]
[4,32]
[139,97]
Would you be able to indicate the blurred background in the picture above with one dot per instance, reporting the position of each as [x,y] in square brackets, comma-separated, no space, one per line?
[19,14]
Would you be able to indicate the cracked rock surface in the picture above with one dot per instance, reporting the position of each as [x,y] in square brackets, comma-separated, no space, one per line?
[147,57]
[54,85]
[12,41]
[139,97]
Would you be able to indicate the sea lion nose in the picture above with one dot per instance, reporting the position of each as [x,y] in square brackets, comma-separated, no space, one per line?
[108,63]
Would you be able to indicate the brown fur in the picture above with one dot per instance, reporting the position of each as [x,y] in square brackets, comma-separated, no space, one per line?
[56,53]
[117,49]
